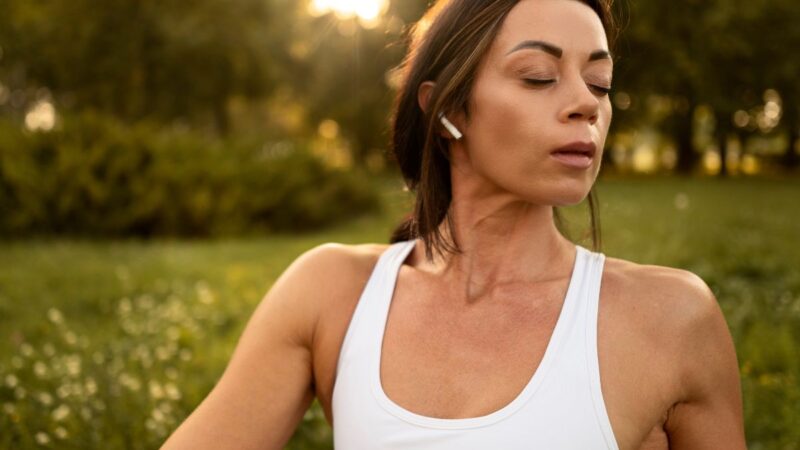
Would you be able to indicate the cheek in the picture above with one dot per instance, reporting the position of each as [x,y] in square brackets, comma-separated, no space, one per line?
[508,126]
[606,113]
[494,113]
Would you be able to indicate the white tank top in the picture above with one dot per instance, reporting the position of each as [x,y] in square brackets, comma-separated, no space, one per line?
[561,407]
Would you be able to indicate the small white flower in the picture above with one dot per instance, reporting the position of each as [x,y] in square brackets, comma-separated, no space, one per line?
[157,415]
[125,306]
[60,413]
[70,338]
[42,438]
[63,391]
[165,407]
[172,391]
[130,382]
[45,398]
[156,391]
[60,433]
[91,386]
[204,294]
[55,316]
[26,349]
[40,369]
[73,363]
[11,380]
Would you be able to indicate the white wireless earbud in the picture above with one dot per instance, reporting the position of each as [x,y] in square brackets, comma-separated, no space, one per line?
[450,127]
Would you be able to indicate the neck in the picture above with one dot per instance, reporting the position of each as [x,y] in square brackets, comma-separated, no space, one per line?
[504,242]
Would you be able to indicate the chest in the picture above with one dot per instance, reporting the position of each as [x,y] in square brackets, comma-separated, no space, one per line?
[439,363]
[456,365]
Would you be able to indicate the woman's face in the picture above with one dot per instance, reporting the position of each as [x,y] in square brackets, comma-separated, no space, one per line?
[542,86]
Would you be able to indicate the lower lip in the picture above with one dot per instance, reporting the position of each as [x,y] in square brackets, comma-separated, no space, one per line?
[575,160]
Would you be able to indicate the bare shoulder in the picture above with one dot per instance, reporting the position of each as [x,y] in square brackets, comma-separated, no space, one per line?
[648,277]
[679,315]
[338,272]
[335,256]
[672,306]
[314,283]
[677,294]
[329,273]
[334,265]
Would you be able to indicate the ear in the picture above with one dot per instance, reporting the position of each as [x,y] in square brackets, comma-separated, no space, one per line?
[423,98]
[424,94]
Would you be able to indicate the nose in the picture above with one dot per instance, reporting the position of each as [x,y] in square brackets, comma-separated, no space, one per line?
[582,103]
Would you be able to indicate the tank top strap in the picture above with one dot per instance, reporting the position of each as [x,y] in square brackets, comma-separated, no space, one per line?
[373,300]
[386,281]
[596,263]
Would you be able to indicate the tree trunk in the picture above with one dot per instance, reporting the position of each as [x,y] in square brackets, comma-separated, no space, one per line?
[721,131]
[791,160]
[682,128]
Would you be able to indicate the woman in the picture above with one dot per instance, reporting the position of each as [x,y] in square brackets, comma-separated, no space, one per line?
[501,332]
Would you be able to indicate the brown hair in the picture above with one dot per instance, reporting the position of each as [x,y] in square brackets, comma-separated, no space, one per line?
[447,46]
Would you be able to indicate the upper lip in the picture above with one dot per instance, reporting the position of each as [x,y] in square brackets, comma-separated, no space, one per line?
[588,148]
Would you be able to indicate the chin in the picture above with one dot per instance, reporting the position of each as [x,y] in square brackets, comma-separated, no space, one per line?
[569,197]
[552,192]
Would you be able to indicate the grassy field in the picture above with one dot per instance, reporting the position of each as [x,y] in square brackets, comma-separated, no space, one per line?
[111,344]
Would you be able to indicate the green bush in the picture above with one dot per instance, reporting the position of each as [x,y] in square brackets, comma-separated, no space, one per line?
[95,176]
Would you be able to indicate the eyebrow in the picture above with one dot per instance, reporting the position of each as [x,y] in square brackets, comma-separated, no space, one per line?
[556,51]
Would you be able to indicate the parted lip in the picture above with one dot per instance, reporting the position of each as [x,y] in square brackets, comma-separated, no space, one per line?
[587,148]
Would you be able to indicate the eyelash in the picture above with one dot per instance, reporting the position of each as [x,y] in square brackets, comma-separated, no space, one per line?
[534,82]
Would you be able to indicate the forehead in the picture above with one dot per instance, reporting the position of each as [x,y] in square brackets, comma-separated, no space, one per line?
[569,24]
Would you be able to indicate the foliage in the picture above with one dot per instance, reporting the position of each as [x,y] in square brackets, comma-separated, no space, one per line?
[62,303]
[717,54]
[214,65]
[96,176]
[161,60]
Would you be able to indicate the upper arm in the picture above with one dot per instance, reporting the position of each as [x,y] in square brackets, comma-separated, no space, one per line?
[268,383]
[709,416]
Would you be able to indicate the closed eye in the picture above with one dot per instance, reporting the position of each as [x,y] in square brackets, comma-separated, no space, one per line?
[602,90]
[537,82]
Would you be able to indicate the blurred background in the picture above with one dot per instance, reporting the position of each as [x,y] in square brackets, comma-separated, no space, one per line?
[161,163]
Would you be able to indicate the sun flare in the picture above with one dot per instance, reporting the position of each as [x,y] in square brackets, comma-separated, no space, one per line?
[367,10]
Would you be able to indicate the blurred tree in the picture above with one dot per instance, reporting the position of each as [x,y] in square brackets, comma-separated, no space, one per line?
[342,72]
[166,60]
[720,53]
[195,62]
[344,81]
[780,67]
[659,49]
[729,55]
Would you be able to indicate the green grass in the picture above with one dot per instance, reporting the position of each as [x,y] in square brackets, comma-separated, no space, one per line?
[112,344]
